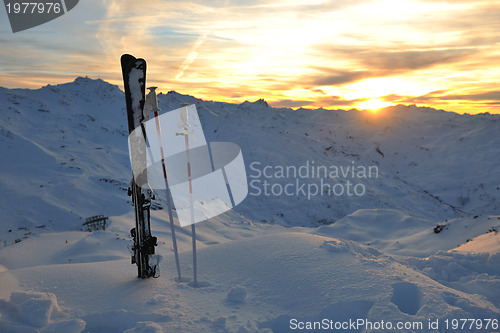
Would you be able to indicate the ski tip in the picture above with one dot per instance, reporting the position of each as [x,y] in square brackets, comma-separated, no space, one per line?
[127,58]
[152,88]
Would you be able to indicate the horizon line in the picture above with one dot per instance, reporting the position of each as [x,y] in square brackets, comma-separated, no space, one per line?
[301,105]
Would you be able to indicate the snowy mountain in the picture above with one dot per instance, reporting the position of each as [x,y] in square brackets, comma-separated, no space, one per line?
[390,216]
[62,147]
[69,141]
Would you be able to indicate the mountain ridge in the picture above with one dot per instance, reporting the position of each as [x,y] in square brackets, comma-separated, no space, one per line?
[429,160]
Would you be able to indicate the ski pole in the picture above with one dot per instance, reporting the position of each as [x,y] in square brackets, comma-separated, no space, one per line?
[186,133]
[169,203]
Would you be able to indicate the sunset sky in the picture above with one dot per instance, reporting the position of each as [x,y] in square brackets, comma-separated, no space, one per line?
[293,53]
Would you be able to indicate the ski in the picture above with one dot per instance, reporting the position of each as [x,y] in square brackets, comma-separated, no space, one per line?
[143,248]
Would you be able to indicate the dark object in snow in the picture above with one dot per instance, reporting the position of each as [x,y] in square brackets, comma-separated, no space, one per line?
[439,228]
[379,151]
[93,223]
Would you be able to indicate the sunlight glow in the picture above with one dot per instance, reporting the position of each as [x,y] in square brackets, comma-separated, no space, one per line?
[373,105]
[378,87]
[292,53]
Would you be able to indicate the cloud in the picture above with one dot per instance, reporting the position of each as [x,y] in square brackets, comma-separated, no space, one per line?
[486,96]
[332,76]
[442,97]
[423,99]
[191,56]
[395,61]
[326,101]
[363,63]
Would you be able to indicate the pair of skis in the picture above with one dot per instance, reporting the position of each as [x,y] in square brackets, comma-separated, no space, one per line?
[143,249]
[138,111]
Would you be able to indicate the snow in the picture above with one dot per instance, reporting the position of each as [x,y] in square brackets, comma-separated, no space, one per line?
[420,245]
[489,242]
[264,280]
[237,294]
[398,233]
[26,311]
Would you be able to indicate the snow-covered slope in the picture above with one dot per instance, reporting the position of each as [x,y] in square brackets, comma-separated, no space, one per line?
[64,156]
[255,284]
[419,243]
[69,142]
[65,145]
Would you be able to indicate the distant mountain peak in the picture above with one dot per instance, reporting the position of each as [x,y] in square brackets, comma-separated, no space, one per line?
[412,108]
[83,83]
[259,103]
[86,79]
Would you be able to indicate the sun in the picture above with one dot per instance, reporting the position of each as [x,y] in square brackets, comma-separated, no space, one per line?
[372,105]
